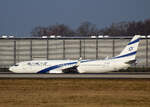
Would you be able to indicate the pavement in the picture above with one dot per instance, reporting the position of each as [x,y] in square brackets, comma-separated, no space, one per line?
[98,76]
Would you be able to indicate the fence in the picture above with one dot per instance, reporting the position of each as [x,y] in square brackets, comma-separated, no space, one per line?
[16,50]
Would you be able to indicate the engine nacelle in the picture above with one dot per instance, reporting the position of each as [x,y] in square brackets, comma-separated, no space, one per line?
[55,72]
[72,70]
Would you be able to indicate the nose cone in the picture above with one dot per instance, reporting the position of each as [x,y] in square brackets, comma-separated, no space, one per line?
[13,69]
[10,68]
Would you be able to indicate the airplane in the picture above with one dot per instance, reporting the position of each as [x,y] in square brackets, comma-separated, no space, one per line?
[122,61]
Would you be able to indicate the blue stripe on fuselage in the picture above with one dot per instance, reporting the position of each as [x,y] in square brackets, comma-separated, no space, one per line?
[126,55]
[137,40]
[46,70]
[55,67]
[82,61]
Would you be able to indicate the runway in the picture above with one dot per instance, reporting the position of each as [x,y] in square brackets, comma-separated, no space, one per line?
[98,76]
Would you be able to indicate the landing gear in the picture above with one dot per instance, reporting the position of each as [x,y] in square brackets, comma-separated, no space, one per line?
[72,70]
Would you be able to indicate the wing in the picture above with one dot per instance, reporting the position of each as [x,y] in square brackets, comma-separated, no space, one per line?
[73,69]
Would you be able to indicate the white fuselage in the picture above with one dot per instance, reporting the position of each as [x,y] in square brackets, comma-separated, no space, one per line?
[57,66]
[100,66]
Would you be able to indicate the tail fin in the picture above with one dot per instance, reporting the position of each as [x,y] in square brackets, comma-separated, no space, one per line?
[129,52]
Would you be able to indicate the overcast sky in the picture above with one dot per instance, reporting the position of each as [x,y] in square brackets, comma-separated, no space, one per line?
[19,17]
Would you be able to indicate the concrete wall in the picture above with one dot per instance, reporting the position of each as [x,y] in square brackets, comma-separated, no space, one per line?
[18,50]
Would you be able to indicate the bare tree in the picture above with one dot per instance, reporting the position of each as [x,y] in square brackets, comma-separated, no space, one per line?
[87,29]
[147,27]
[60,29]
[116,29]
[39,31]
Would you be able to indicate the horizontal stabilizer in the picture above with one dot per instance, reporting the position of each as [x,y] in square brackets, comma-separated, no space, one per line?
[131,62]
